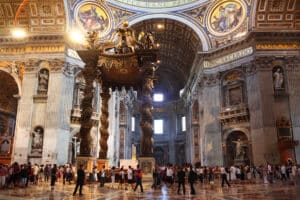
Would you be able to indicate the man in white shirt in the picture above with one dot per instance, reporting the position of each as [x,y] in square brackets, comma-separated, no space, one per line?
[232,173]
[224,177]
[283,172]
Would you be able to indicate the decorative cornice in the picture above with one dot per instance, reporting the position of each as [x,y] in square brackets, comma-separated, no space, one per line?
[278,46]
[209,63]
[32,48]
[268,62]
[54,65]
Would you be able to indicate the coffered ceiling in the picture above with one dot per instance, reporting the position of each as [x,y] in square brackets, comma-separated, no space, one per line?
[178,47]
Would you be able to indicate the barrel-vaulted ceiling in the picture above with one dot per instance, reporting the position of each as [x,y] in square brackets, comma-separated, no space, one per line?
[178,47]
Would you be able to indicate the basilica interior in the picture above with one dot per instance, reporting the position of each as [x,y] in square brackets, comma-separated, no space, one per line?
[174,81]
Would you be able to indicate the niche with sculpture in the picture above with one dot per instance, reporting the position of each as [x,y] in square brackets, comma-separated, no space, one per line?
[79,93]
[278,78]
[233,88]
[5,147]
[37,136]
[43,78]
[237,148]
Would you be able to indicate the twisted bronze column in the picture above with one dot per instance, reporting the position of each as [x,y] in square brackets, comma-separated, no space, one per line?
[90,57]
[104,122]
[146,113]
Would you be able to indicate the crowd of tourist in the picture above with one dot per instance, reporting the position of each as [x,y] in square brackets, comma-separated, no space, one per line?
[171,176]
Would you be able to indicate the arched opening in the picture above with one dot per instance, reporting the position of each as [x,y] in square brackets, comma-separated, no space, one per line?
[8,111]
[178,46]
[237,149]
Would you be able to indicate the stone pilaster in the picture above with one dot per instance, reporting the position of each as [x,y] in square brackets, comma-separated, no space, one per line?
[210,122]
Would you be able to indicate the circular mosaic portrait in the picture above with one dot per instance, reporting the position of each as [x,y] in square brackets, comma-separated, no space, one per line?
[92,17]
[225,17]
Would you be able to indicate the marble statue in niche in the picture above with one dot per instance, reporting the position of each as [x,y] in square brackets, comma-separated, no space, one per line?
[278,79]
[5,146]
[240,151]
[43,81]
[37,140]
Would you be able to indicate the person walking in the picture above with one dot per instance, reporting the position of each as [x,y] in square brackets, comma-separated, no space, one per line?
[191,178]
[130,177]
[181,180]
[283,172]
[138,178]
[80,180]
[224,177]
[113,176]
[53,176]
[102,176]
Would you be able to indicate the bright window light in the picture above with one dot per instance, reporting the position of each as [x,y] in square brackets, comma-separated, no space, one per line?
[77,37]
[158,126]
[183,123]
[158,97]
[132,124]
[181,92]
[18,33]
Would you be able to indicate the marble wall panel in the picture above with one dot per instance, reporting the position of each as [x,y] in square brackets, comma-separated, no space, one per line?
[293,83]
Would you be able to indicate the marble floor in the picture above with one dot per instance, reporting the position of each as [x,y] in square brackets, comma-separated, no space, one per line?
[257,191]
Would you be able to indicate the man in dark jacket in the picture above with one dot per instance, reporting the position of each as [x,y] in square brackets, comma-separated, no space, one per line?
[80,180]
[181,180]
[192,177]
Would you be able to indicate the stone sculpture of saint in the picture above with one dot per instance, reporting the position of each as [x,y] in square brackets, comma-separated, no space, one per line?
[43,81]
[278,79]
[37,139]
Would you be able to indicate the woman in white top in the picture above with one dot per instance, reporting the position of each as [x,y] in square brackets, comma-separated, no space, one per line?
[232,173]
[130,176]
[113,176]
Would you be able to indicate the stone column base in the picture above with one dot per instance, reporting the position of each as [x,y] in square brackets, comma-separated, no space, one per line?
[101,162]
[87,162]
[147,164]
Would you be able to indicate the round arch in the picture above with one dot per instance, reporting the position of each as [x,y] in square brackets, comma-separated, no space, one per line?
[229,131]
[189,22]
[14,76]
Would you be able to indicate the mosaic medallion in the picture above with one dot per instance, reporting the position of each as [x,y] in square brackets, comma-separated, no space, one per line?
[92,17]
[225,17]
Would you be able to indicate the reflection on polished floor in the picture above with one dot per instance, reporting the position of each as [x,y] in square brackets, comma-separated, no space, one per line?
[258,191]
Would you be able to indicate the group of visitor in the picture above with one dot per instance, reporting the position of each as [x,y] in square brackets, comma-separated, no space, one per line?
[16,175]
